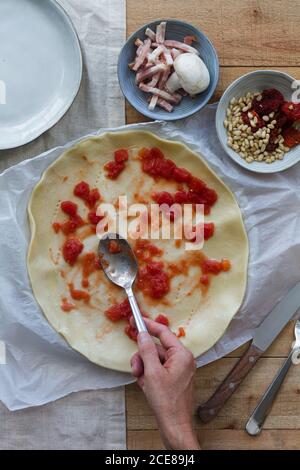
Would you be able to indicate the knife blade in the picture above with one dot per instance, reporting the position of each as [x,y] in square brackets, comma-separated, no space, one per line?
[263,337]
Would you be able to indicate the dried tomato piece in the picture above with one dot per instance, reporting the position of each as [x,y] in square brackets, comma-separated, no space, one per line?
[56,227]
[162,319]
[271,101]
[291,110]
[71,225]
[71,250]
[121,155]
[291,137]
[69,207]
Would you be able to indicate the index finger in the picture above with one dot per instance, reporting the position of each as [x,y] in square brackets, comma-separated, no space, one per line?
[163,333]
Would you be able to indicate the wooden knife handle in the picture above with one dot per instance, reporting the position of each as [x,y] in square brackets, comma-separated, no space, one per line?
[211,408]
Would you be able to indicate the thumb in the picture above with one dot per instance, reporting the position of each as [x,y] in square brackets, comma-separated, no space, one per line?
[148,351]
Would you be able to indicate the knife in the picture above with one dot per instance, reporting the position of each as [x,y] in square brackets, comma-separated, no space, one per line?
[263,337]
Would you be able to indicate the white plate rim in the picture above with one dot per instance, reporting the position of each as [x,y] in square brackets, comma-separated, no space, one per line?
[52,122]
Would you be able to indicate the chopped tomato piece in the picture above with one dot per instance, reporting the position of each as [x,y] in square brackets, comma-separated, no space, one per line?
[204,279]
[144,250]
[163,198]
[209,229]
[226,265]
[144,153]
[69,207]
[162,319]
[72,224]
[93,197]
[114,169]
[181,197]
[119,312]
[211,266]
[56,227]
[181,332]
[131,332]
[71,250]
[82,190]
[114,247]
[79,294]
[67,306]
[196,184]
[155,152]
[121,155]
[181,175]
[153,280]
[94,218]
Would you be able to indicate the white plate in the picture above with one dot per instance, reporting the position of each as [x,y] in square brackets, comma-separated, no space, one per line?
[40,68]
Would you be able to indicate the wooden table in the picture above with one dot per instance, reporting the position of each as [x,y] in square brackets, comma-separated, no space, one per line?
[248,35]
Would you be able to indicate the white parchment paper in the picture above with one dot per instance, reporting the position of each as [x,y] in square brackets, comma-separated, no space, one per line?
[40,365]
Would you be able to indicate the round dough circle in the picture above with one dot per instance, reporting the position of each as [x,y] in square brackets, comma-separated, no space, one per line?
[204,317]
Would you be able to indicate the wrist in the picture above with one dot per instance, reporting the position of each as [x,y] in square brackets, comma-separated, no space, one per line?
[179,436]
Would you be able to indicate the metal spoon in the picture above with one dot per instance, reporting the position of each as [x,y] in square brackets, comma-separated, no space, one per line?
[121,269]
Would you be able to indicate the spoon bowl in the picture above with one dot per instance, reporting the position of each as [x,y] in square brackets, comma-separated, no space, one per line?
[120,266]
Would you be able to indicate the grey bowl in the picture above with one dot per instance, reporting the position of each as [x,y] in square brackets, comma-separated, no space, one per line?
[138,99]
[256,82]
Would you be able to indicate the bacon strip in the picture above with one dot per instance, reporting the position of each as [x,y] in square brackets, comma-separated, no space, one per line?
[181,46]
[148,73]
[161,32]
[168,57]
[156,53]
[153,102]
[175,53]
[155,80]
[151,34]
[164,78]
[140,59]
[161,93]
[165,105]
[189,40]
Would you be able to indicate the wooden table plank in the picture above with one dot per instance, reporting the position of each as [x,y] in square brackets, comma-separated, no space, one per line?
[244,32]
[248,35]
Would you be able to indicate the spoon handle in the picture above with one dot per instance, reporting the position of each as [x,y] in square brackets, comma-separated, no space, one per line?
[140,324]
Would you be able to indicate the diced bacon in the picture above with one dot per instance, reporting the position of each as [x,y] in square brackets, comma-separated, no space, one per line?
[140,59]
[153,102]
[138,42]
[168,56]
[175,53]
[189,40]
[161,32]
[139,50]
[161,93]
[182,92]
[181,46]
[151,34]
[156,53]
[155,80]
[164,78]
[148,73]
[165,105]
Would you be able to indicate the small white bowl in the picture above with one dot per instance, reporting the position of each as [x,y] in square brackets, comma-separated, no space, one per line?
[256,82]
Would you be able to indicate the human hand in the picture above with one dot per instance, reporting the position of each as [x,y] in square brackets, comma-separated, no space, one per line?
[165,373]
